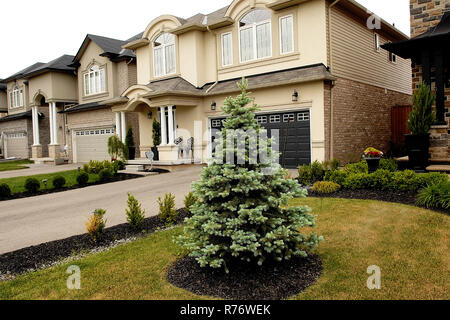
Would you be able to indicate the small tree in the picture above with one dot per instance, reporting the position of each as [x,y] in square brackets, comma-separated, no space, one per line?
[116,148]
[167,212]
[96,224]
[422,116]
[156,133]
[135,214]
[129,139]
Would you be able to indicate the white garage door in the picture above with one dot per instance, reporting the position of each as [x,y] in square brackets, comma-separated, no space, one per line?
[91,144]
[16,145]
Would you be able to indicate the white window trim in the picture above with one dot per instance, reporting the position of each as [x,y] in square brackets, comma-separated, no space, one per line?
[88,74]
[293,36]
[163,46]
[255,46]
[393,61]
[377,42]
[16,98]
[223,52]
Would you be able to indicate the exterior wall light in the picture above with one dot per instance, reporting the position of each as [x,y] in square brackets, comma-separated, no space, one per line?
[150,115]
[295,96]
[213,106]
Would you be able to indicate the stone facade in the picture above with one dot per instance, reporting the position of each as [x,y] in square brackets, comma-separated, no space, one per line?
[426,14]
[361,118]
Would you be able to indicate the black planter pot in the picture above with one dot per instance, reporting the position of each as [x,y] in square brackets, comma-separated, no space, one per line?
[131,153]
[373,164]
[156,153]
[418,150]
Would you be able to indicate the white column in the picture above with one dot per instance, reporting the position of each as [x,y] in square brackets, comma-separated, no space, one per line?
[163,127]
[171,132]
[55,124]
[124,126]
[35,114]
[118,126]
[50,120]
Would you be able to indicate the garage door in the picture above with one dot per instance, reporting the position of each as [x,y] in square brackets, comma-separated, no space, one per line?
[294,132]
[91,144]
[16,145]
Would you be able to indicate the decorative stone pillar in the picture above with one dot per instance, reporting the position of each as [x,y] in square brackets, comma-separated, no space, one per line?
[54,151]
[36,149]
[123,125]
[439,144]
[118,126]
[163,127]
[171,127]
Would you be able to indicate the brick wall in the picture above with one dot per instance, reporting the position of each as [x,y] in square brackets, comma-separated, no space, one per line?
[362,118]
[426,14]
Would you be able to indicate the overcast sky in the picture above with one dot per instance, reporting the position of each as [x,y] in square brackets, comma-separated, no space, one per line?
[42,30]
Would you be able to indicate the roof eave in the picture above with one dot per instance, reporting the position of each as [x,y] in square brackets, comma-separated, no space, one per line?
[283,4]
[136,44]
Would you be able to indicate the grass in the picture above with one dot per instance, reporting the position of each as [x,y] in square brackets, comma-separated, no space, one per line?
[17,183]
[14,165]
[409,244]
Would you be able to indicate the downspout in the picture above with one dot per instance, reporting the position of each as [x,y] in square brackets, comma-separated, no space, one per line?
[330,58]
[217,60]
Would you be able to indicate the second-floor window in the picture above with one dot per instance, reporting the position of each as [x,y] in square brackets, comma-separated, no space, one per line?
[255,35]
[286,34]
[95,81]
[164,61]
[16,98]
[227,49]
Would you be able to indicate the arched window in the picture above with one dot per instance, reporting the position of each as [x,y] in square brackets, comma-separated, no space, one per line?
[16,97]
[164,61]
[255,35]
[95,80]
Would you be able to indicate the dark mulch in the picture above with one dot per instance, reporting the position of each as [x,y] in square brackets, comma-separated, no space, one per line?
[34,257]
[118,177]
[272,281]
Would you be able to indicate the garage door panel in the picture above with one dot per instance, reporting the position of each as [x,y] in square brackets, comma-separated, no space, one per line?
[17,146]
[92,144]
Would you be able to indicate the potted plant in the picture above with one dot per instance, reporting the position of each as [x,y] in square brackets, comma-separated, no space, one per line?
[419,123]
[129,143]
[372,157]
[156,139]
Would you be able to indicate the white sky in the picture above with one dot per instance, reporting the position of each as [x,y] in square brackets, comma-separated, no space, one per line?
[42,30]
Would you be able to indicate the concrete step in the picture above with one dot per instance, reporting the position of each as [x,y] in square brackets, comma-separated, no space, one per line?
[50,161]
[444,168]
[135,168]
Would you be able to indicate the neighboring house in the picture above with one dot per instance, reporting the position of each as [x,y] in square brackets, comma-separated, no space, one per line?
[315,69]
[3,110]
[429,50]
[105,70]
[33,128]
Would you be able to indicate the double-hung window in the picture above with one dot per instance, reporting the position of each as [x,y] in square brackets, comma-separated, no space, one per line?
[377,42]
[227,49]
[164,60]
[16,98]
[95,81]
[255,35]
[286,34]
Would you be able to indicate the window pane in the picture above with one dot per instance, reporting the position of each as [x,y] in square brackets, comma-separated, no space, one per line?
[92,82]
[255,16]
[21,97]
[170,59]
[227,53]
[247,49]
[286,26]
[103,80]
[86,84]
[158,61]
[263,44]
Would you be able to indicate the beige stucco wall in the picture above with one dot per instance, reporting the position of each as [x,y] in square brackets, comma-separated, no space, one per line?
[20,84]
[3,100]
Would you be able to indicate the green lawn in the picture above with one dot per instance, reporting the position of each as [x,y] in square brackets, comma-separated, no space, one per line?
[14,165]
[409,244]
[17,183]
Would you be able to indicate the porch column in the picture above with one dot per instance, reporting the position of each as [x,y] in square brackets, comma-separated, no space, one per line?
[52,134]
[163,127]
[440,88]
[55,123]
[118,126]
[171,127]
[35,115]
[124,126]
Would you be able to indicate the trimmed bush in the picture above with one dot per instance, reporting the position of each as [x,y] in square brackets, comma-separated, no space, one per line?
[135,214]
[96,224]
[336,176]
[326,187]
[167,212]
[317,171]
[305,175]
[359,167]
[82,178]
[435,196]
[382,179]
[32,185]
[427,179]
[105,175]
[5,191]
[189,201]
[388,164]
[405,181]
[356,181]
[59,182]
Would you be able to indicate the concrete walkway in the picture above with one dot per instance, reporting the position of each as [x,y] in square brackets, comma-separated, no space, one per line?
[37,169]
[32,221]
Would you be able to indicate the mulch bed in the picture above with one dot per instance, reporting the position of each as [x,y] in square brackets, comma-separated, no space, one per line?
[118,177]
[272,281]
[33,258]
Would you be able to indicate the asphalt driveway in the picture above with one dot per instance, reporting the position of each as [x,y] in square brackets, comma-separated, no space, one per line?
[32,221]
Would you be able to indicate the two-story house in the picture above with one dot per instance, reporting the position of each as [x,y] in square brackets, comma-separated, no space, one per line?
[315,68]
[3,100]
[33,128]
[104,71]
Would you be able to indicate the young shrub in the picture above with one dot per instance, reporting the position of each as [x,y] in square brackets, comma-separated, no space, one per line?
[95,166]
[156,129]
[116,148]
[422,116]
[358,167]
[356,181]
[305,175]
[243,216]
[118,165]
[82,178]
[105,175]
[96,224]
[336,176]
[86,168]
[388,164]
[5,191]
[317,171]
[189,201]
[381,179]
[405,181]
[167,212]
[325,187]
[32,185]
[59,182]
[335,164]
[135,214]
[435,196]
[427,179]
